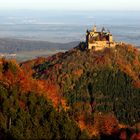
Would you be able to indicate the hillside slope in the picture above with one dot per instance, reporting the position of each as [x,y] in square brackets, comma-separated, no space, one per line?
[26,112]
[96,83]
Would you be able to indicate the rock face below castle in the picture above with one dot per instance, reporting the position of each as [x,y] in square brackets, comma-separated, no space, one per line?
[99,40]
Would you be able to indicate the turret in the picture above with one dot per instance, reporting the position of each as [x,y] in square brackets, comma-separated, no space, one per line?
[110,38]
[87,36]
[94,28]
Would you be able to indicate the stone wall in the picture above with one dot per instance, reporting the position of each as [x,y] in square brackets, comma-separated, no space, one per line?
[99,45]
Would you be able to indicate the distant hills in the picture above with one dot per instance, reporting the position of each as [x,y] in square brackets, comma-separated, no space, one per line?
[23,49]
[10,45]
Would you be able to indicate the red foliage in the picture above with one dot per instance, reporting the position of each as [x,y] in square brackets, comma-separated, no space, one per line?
[21,104]
[123,135]
[106,124]
[135,136]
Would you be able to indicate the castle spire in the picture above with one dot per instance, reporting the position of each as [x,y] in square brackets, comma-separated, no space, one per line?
[94,28]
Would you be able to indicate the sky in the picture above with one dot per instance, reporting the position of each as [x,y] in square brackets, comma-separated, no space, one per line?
[79,5]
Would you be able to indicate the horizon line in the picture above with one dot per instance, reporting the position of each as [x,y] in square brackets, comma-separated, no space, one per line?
[73,10]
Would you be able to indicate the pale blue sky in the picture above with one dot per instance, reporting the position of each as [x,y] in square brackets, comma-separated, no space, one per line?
[71,4]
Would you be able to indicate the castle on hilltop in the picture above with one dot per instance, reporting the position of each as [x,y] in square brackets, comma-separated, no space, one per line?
[99,40]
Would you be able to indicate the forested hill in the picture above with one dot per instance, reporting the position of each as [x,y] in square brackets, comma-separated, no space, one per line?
[97,84]
[78,94]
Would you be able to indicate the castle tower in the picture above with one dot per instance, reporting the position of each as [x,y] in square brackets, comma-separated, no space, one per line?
[87,38]
[94,28]
[110,38]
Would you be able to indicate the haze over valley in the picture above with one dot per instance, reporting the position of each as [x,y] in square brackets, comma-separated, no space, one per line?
[62,27]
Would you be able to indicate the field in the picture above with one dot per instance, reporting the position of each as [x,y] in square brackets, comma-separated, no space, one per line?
[27,55]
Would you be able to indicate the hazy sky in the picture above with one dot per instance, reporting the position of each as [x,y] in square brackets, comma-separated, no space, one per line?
[71,4]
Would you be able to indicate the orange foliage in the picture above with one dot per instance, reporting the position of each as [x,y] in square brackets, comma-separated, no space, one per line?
[64,104]
[81,122]
[26,84]
[78,72]
[106,124]
[9,78]
[129,69]
[136,83]
[88,127]
[129,64]
[23,80]
[136,62]
[51,91]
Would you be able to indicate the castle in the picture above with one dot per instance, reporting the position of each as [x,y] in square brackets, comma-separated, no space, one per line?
[99,40]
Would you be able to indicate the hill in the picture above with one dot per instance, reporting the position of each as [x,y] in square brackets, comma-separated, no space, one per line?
[24,49]
[77,94]
[96,84]
[25,110]
[11,45]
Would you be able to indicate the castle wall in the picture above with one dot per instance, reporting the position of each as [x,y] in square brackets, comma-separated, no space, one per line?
[111,38]
[99,45]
